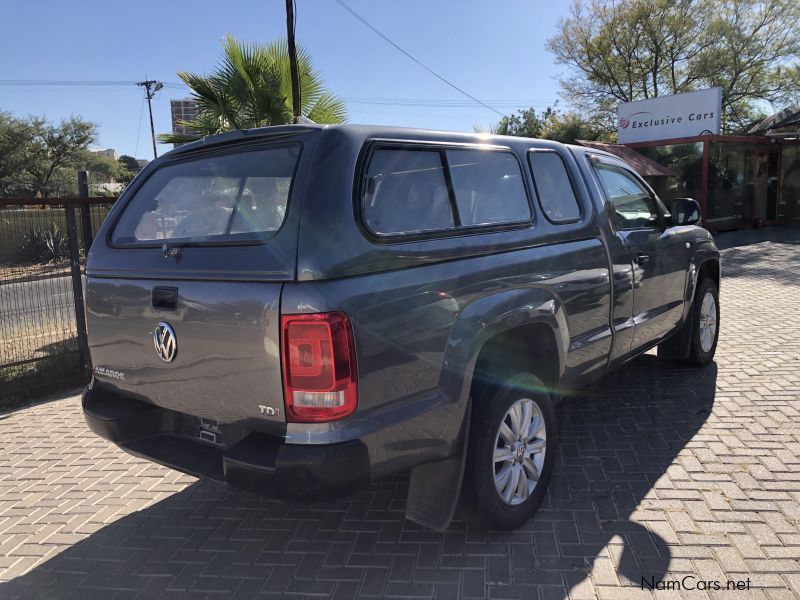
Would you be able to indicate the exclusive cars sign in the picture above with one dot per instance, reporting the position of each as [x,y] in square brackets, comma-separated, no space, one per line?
[668,117]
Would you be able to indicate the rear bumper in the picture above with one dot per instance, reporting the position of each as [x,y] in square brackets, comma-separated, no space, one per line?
[255,462]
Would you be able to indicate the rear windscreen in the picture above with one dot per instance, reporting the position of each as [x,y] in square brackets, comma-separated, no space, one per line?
[229,197]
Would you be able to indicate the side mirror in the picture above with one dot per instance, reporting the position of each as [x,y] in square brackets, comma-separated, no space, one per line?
[685,211]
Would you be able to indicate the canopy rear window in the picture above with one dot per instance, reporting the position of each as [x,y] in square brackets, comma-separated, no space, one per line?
[228,197]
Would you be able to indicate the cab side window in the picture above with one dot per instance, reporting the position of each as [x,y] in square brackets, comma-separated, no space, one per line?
[633,204]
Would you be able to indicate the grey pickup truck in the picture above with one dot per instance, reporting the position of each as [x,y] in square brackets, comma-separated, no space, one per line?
[298,310]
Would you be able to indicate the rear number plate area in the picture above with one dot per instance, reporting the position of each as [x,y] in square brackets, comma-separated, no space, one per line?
[210,431]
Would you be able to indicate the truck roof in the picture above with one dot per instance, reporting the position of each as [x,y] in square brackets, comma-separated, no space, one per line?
[362,132]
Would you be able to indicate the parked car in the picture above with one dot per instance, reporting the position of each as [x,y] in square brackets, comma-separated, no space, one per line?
[299,310]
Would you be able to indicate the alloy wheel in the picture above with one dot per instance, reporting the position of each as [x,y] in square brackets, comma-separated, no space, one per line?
[708,322]
[519,451]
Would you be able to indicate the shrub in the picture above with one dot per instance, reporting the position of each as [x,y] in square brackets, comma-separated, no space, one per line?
[44,245]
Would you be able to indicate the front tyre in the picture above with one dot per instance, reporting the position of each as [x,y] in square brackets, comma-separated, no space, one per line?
[511,452]
[705,325]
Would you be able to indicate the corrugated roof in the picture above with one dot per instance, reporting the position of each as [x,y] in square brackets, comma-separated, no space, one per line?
[785,121]
[644,166]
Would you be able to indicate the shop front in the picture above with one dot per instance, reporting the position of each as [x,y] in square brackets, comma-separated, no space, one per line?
[740,181]
[729,175]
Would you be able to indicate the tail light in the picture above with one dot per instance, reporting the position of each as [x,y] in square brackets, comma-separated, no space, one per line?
[319,367]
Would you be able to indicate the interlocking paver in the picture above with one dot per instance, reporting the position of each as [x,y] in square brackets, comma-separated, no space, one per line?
[664,471]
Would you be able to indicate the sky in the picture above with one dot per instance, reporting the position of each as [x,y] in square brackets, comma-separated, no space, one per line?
[494,50]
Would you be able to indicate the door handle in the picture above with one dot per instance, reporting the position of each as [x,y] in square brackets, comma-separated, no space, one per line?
[165,298]
[642,258]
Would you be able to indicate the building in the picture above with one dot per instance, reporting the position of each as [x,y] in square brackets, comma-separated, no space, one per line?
[107,153]
[740,181]
[183,111]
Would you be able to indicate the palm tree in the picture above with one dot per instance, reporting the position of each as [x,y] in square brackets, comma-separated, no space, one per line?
[251,87]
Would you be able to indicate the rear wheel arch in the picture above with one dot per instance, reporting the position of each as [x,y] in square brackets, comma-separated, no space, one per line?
[530,348]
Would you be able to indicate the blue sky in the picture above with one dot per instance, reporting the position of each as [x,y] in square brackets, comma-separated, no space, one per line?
[493,50]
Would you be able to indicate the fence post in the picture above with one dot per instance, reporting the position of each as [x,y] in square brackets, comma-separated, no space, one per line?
[77,285]
[86,221]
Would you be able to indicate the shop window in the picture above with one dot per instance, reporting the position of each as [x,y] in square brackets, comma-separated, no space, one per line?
[789,196]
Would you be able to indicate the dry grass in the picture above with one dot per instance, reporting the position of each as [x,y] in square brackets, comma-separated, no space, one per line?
[24,383]
[26,343]
[12,273]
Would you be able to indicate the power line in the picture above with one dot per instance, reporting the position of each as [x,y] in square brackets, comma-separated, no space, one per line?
[436,103]
[377,100]
[509,104]
[431,71]
[445,100]
[68,83]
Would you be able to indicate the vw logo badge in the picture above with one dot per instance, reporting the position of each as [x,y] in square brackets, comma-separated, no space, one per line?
[165,341]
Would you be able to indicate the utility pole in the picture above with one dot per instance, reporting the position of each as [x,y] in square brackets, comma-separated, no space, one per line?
[290,22]
[150,88]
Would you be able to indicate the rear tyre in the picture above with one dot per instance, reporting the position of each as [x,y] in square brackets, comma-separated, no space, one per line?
[705,324]
[511,452]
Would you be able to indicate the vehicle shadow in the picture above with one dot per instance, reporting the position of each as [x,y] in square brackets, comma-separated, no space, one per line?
[619,442]
[738,261]
[782,234]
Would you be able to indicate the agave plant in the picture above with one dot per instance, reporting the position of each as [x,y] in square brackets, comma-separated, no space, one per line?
[44,244]
[251,87]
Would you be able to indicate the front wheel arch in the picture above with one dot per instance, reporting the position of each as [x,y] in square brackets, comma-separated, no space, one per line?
[709,268]
[679,345]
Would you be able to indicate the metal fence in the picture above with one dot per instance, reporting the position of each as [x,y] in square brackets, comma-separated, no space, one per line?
[43,244]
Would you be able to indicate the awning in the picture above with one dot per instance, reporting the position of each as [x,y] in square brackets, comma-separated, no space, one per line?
[644,166]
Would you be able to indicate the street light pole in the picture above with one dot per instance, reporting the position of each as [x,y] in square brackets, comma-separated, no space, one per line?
[293,60]
[150,88]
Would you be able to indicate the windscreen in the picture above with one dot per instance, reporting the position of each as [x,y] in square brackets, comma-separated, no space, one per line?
[225,197]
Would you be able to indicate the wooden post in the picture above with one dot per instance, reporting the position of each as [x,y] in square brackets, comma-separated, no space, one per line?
[293,60]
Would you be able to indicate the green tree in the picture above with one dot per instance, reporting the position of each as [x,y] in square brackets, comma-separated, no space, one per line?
[549,124]
[130,163]
[524,123]
[104,169]
[569,126]
[625,50]
[14,133]
[251,87]
[53,152]
[126,169]
[40,157]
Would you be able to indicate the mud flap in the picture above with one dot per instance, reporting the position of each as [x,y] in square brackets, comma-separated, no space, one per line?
[434,488]
[677,347]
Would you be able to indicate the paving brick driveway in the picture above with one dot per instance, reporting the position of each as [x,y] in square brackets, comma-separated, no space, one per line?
[663,472]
